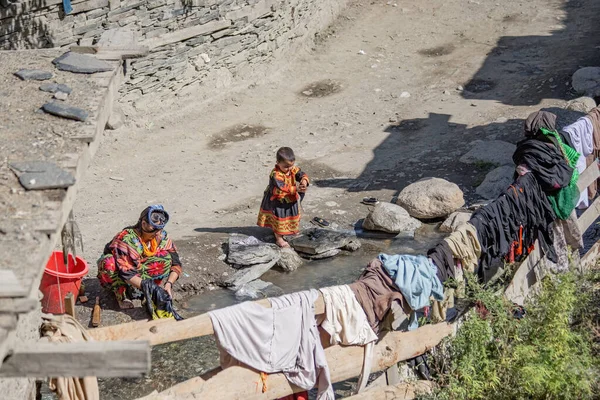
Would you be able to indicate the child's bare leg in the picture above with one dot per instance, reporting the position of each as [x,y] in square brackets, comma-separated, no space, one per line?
[280,240]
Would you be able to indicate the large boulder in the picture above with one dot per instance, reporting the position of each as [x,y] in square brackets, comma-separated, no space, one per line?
[248,250]
[392,218]
[586,81]
[431,198]
[455,219]
[496,152]
[496,182]
[289,260]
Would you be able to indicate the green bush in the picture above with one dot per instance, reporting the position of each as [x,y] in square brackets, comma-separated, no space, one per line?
[549,354]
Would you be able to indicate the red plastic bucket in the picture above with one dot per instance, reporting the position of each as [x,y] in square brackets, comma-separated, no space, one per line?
[58,281]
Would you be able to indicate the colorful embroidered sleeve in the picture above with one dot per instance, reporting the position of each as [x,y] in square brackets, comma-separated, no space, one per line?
[175,261]
[299,174]
[283,187]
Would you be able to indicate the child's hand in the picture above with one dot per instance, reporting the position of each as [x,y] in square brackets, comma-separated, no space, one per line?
[303,185]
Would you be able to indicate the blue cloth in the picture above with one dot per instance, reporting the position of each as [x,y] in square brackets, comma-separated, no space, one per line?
[416,277]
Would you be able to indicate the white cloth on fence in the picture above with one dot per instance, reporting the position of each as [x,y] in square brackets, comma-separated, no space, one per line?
[284,338]
[346,323]
[581,133]
[344,319]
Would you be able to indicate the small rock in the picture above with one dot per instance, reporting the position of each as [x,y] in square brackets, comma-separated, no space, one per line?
[33,74]
[586,81]
[61,96]
[447,92]
[496,182]
[81,63]
[248,274]
[257,289]
[460,88]
[116,178]
[205,58]
[581,104]
[116,118]
[431,198]
[331,204]
[501,120]
[495,152]
[454,220]
[55,87]
[65,111]
[289,260]
[362,52]
[391,218]
[405,95]
[352,245]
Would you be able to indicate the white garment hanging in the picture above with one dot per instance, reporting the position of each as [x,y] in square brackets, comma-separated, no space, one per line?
[581,133]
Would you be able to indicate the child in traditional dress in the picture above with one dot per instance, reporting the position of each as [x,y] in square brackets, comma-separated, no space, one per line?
[279,209]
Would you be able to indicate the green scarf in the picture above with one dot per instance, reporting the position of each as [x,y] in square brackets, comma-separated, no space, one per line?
[564,200]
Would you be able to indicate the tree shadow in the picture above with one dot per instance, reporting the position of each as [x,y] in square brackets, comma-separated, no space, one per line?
[523,70]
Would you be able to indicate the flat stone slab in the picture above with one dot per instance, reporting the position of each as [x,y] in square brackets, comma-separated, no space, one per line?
[496,182]
[496,152]
[42,175]
[33,74]
[65,111]
[81,63]
[248,274]
[55,87]
[320,256]
[248,250]
[318,241]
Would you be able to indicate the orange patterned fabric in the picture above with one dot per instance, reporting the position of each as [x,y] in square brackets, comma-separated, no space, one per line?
[279,208]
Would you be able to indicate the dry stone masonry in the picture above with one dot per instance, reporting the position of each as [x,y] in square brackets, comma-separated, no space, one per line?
[190,40]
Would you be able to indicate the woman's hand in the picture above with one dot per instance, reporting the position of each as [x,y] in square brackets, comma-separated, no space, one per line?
[169,288]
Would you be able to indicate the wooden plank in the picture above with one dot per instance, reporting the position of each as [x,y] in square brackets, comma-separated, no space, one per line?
[40,360]
[401,391]
[590,259]
[168,330]
[187,33]
[70,304]
[10,285]
[531,270]
[590,215]
[588,176]
[344,362]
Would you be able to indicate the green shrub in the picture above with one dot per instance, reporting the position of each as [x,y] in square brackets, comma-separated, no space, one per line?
[549,354]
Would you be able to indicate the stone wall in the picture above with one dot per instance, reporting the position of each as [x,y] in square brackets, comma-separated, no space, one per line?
[190,40]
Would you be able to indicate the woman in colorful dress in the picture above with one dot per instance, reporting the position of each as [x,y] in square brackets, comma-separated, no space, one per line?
[142,251]
[279,209]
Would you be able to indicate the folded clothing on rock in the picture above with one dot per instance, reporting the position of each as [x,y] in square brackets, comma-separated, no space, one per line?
[283,338]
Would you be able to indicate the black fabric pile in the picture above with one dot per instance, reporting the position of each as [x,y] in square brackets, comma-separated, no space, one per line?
[546,162]
[499,223]
[442,257]
[158,302]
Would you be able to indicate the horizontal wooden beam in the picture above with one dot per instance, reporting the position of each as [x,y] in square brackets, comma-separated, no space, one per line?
[344,362]
[107,360]
[401,391]
[589,215]
[168,330]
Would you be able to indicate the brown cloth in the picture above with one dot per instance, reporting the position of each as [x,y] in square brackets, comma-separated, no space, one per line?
[537,120]
[376,291]
[66,329]
[594,117]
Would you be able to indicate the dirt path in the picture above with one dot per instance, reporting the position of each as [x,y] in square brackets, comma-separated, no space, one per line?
[398,112]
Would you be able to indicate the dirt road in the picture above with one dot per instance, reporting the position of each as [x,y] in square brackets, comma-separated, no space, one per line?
[402,89]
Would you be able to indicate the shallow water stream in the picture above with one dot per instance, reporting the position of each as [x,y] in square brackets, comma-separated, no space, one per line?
[179,361]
